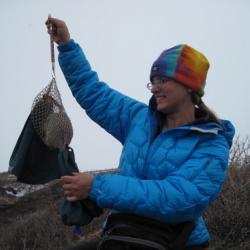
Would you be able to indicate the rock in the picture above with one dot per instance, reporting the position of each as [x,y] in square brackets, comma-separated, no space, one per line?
[19,199]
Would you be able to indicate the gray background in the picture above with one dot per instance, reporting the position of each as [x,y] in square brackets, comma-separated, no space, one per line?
[121,40]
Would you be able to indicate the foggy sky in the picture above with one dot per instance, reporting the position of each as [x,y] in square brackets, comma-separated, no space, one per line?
[121,40]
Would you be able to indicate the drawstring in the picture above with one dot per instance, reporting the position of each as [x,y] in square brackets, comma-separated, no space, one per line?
[52,51]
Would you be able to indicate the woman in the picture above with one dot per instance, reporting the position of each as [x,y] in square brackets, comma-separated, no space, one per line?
[175,150]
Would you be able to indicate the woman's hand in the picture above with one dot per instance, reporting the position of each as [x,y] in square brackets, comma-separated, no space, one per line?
[78,186]
[58,30]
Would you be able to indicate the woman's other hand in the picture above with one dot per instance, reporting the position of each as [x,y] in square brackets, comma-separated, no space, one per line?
[78,186]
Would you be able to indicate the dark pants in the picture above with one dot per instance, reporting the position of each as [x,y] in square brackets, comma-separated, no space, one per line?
[92,245]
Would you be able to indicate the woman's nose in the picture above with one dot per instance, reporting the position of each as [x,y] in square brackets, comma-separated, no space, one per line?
[155,88]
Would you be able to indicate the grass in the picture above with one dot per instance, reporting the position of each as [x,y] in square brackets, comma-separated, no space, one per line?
[228,219]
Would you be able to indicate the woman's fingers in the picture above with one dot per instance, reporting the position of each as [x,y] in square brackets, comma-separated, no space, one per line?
[58,29]
[67,179]
[71,198]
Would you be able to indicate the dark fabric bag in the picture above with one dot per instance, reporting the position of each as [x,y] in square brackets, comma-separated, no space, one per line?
[32,162]
[127,232]
[79,213]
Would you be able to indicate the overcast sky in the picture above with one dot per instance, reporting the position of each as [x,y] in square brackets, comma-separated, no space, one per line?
[121,40]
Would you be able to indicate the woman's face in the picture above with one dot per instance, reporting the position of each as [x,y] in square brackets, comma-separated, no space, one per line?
[171,96]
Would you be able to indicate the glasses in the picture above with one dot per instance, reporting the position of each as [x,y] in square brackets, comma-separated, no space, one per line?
[157,81]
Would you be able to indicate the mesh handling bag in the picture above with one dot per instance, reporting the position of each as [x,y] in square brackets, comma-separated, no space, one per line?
[49,118]
[50,121]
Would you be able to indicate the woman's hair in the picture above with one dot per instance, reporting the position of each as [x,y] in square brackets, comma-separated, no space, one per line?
[198,102]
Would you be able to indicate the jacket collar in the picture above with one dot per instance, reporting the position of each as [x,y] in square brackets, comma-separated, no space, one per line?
[202,122]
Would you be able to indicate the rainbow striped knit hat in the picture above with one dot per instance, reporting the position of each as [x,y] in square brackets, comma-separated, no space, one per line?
[184,64]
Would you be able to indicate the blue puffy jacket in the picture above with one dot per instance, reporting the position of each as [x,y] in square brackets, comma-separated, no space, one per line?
[171,176]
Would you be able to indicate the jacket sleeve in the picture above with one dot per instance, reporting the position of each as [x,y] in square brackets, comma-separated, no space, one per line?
[110,109]
[182,196]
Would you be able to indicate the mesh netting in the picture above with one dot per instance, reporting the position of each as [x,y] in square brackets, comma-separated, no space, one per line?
[49,118]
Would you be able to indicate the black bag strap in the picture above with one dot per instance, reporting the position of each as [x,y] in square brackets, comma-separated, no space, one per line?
[127,243]
[66,160]
[173,236]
